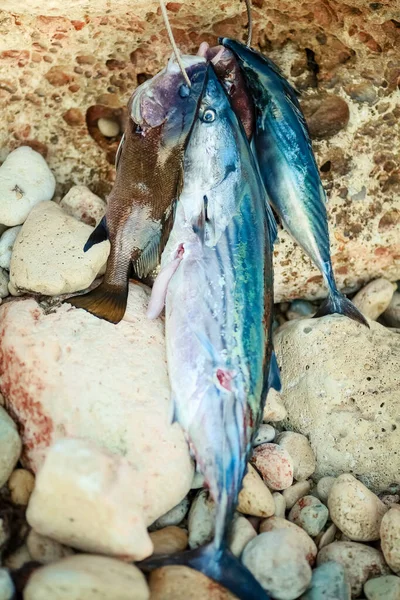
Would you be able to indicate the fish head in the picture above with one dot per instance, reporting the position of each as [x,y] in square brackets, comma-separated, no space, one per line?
[168,103]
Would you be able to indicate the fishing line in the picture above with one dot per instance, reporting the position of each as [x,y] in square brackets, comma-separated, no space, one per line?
[173,43]
[249,23]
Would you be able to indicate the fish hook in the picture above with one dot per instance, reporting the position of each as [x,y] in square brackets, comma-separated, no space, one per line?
[249,23]
[173,43]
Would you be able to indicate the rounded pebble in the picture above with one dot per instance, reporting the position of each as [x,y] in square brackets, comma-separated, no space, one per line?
[6,585]
[390,538]
[4,281]
[278,563]
[201,520]
[326,537]
[241,533]
[108,127]
[169,540]
[360,562]
[298,446]
[374,298]
[87,577]
[302,539]
[300,309]
[82,204]
[21,484]
[266,433]
[275,465]
[383,588]
[173,516]
[7,242]
[44,549]
[324,486]
[280,505]
[310,514]
[10,446]
[198,481]
[255,499]
[392,313]
[328,582]
[17,559]
[355,510]
[274,410]
[182,583]
[295,492]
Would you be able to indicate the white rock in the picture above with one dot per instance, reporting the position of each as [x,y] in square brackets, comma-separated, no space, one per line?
[108,127]
[44,549]
[241,533]
[198,481]
[82,204]
[355,510]
[87,577]
[340,382]
[278,564]
[373,299]
[182,583]
[10,446]
[295,492]
[25,180]
[173,516]
[201,520]
[326,537]
[324,487]
[4,281]
[169,540]
[361,562]
[301,452]
[274,410]
[21,484]
[298,535]
[392,313]
[266,433]
[88,498]
[71,386]
[390,538]
[48,256]
[7,242]
[275,465]
[255,498]
[280,504]
[6,586]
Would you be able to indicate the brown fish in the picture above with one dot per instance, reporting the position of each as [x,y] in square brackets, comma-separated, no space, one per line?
[148,180]
[230,75]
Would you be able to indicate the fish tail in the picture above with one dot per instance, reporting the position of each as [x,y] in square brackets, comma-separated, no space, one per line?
[107,302]
[217,563]
[336,302]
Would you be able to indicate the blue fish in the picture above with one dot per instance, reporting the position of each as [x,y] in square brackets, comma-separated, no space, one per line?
[217,281]
[288,168]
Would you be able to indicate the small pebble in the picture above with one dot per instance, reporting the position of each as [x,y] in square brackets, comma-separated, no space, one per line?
[300,309]
[326,537]
[280,505]
[275,465]
[7,242]
[6,585]
[299,448]
[108,127]
[182,583]
[383,588]
[44,549]
[266,433]
[198,481]
[390,538]
[373,299]
[10,446]
[328,582]
[303,540]
[295,492]
[310,514]
[324,486]
[201,520]
[255,498]
[169,540]
[362,92]
[392,313]
[173,516]
[355,510]
[21,484]
[4,281]
[274,410]
[241,533]
[360,562]
[278,563]
[87,577]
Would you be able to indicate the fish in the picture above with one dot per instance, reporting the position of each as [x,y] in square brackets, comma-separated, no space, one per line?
[148,180]
[216,280]
[288,168]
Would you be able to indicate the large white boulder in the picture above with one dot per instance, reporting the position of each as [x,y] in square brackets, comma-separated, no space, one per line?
[340,383]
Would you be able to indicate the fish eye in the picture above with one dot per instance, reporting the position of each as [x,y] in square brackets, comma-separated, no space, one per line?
[209,115]
[184,90]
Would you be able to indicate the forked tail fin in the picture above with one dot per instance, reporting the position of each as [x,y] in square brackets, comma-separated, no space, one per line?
[217,564]
[338,303]
[106,302]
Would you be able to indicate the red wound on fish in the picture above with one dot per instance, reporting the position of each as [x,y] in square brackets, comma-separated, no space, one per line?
[225,379]
[181,251]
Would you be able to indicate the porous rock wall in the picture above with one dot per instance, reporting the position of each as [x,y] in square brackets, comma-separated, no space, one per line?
[63,65]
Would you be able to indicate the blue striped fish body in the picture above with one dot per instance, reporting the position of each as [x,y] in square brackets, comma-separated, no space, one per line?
[288,168]
[219,304]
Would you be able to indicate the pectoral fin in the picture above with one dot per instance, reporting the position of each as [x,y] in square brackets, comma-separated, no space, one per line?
[160,287]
